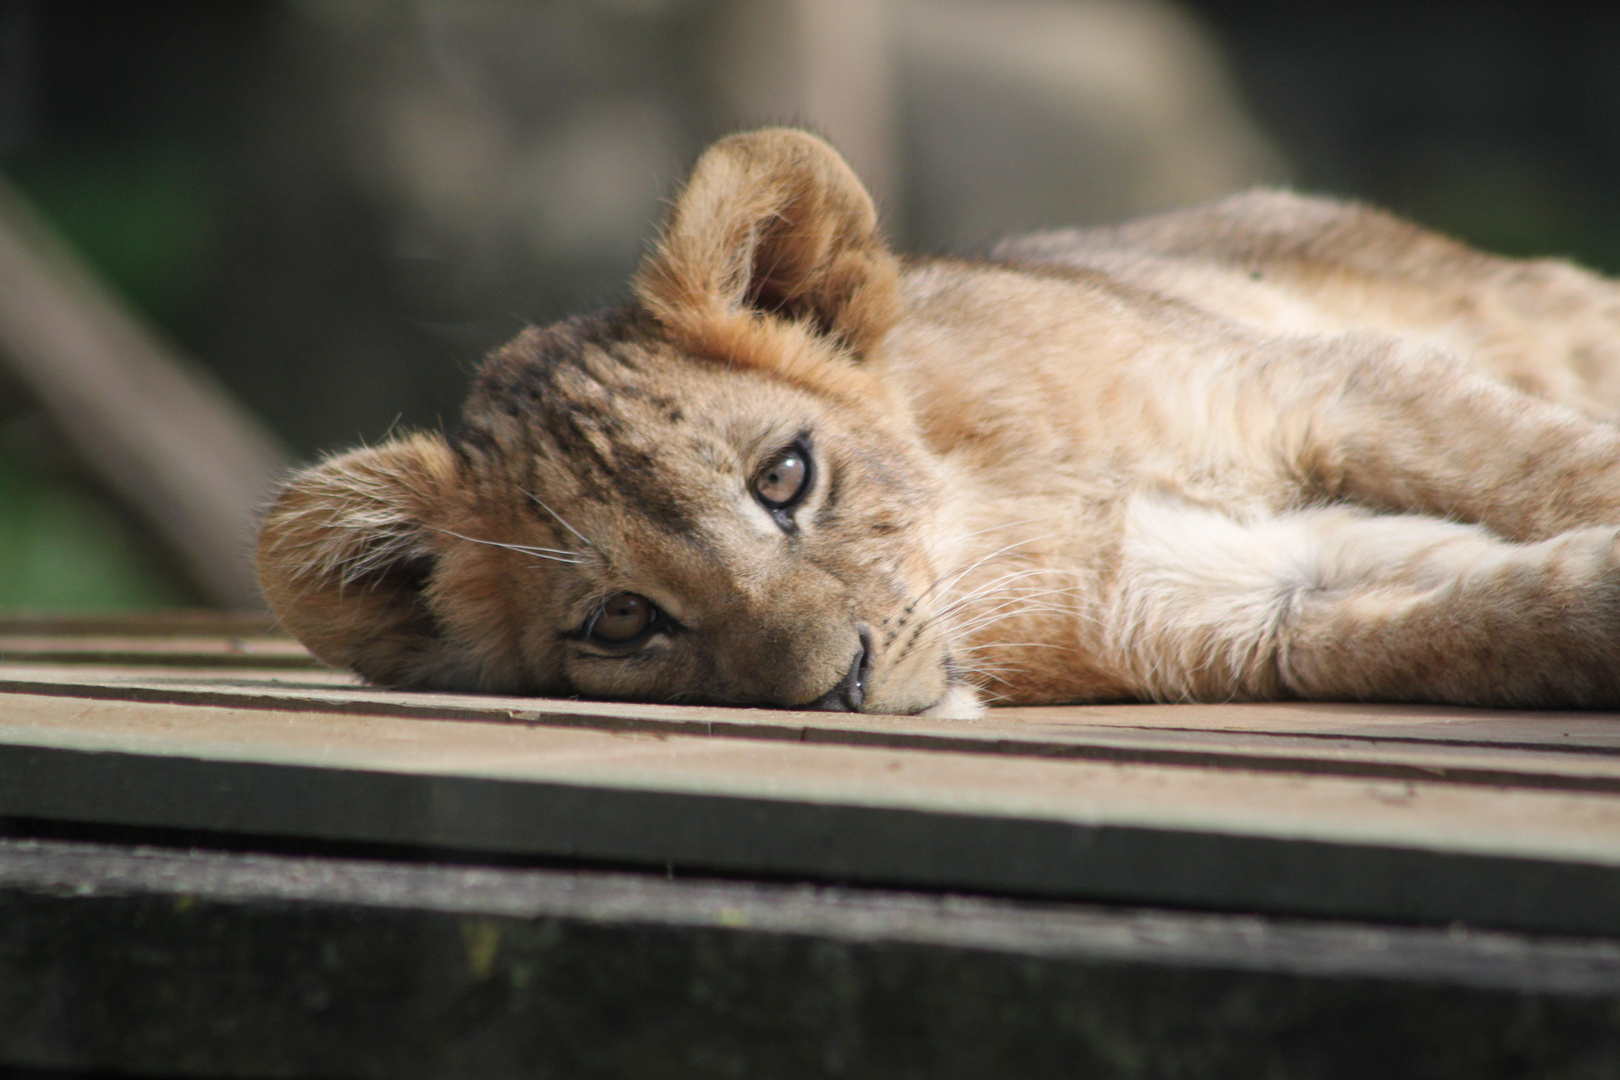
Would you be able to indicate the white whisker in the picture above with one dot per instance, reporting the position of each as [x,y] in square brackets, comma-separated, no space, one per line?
[949,581]
[1011,645]
[573,558]
[581,537]
[1004,525]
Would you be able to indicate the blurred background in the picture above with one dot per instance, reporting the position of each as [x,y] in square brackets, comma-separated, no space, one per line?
[271,227]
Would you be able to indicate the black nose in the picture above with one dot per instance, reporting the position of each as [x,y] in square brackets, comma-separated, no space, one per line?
[850,692]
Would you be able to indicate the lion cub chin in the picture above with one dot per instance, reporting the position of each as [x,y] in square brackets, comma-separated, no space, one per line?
[1273,448]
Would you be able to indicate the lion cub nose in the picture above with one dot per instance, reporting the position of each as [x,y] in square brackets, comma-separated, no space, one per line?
[850,692]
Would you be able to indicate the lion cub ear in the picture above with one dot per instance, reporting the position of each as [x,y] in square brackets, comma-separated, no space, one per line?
[771,223]
[344,555]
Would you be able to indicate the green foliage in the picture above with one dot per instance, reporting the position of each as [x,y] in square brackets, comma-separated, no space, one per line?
[64,548]
[138,214]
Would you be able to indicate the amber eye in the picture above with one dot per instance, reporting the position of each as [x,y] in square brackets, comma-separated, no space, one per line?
[784,479]
[622,619]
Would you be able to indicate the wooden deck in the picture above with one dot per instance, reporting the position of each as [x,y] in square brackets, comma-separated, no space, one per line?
[1149,869]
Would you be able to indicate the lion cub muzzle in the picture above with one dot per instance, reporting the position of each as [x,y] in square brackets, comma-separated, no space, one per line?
[850,692]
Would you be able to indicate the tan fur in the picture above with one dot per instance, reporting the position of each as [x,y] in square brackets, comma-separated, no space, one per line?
[1277,447]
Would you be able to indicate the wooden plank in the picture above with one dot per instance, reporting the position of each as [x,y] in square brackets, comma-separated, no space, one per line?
[204,639]
[115,680]
[1454,955]
[165,651]
[1542,729]
[250,624]
[1229,839]
[1328,721]
[187,638]
[1564,766]
[231,965]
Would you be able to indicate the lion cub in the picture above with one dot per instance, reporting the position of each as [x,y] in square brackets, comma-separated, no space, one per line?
[1277,447]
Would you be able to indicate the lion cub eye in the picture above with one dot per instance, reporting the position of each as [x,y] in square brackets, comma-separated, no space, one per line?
[625,617]
[783,480]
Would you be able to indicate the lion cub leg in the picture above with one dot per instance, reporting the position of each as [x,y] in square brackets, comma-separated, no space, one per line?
[1341,603]
[1407,428]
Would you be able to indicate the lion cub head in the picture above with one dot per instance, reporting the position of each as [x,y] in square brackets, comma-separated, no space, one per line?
[708,496]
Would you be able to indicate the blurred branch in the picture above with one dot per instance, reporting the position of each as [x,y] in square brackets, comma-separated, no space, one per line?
[160,432]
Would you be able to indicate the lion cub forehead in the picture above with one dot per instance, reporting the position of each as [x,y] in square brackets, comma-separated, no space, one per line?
[603,408]
[619,368]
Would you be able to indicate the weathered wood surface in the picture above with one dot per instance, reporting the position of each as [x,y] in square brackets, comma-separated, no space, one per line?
[170,639]
[1575,755]
[1395,813]
[142,624]
[1461,839]
[162,962]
